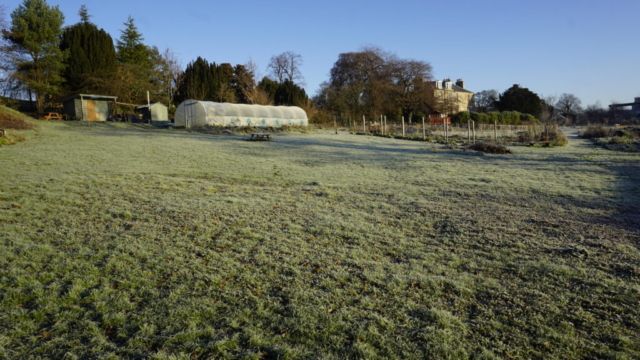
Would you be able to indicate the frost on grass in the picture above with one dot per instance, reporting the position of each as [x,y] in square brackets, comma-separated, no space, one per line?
[313,246]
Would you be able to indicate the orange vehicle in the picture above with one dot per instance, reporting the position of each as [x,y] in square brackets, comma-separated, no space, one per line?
[52,116]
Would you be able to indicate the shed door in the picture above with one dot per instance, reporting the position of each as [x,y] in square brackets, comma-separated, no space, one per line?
[92,114]
[97,110]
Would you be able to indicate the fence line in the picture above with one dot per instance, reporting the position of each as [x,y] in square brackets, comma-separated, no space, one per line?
[459,132]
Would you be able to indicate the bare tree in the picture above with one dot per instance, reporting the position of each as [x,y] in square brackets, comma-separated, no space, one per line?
[485,100]
[169,70]
[257,96]
[253,68]
[9,84]
[568,105]
[410,84]
[286,66]
[3,14]
[594,113]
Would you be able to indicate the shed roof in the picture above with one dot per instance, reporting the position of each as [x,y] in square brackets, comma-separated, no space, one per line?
[91,97]
[150,105]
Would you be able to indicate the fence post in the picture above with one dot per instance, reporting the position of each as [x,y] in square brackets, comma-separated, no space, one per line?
[335,123]
[364,125]
[424,133]
[385,124]
[403,126]
[473,128]
[469,132]
[446,131]
[495,131]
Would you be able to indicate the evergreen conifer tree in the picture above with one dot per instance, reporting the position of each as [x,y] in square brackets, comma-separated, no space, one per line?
[84,14]
[92,56]
[34,33]
[130,48]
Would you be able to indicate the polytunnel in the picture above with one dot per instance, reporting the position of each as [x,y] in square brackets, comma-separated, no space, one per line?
[194,113]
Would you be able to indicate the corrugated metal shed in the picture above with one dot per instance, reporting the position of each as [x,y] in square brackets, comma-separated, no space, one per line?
[89,107]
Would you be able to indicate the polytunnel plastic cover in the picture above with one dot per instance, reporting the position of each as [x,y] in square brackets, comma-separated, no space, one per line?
[194,113]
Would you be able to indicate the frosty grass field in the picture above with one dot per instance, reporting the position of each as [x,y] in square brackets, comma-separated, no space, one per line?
[123,241]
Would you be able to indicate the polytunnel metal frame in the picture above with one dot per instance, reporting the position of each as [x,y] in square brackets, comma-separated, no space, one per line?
[191,113]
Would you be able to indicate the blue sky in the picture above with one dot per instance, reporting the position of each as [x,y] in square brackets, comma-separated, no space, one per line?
[587,48]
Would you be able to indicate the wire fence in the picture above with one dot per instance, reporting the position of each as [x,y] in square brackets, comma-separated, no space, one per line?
[469,132]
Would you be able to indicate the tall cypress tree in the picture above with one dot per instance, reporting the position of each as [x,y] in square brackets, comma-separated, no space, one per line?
[196,81]
[91,55]
[290,94]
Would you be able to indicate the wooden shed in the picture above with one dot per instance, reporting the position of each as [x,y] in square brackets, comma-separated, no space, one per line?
[89,107]
[153,112]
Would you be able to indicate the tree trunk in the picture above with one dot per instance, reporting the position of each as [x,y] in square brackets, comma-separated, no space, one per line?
[40,102]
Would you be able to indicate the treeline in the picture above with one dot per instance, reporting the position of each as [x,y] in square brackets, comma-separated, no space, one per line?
[206,81]
[41,60]
[45,61]
[500,117]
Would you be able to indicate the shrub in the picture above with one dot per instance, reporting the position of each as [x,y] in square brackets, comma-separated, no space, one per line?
[624,133]
[493,116]
[461,118]
[528,118]
[555,137]
[595,132]
[510,117]
[490,148]
[525,136]
[622,140]
[560,139]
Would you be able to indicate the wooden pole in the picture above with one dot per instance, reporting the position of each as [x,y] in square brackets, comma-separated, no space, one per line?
[473,130]
[468,132]
[364,125]
[495,131]
[385,124]
[335,123]
[446,129]
[424,132]
[149,106]
[403,126]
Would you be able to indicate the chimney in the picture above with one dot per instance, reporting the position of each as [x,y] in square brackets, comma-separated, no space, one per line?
[460,83]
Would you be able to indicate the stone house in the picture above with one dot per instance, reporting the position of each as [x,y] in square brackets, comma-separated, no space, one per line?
[450,98]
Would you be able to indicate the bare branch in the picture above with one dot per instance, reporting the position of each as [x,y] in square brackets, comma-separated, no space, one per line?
[286,66]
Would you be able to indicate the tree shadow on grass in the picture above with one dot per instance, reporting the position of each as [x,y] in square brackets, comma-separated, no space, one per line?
[580,156]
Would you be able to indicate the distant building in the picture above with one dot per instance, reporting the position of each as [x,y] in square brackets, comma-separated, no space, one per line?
[437,118]
[624,108]
[89,107]
[450,98]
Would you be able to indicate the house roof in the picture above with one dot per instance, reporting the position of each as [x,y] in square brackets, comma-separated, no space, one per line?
[91,97]
[460,89]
